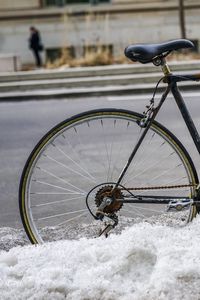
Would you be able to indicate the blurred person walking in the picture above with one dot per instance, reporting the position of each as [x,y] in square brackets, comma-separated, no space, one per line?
[35,45]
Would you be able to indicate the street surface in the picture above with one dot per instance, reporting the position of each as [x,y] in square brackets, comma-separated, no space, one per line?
[22,124]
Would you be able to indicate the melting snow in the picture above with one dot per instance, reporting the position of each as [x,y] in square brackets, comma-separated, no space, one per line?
[146,261]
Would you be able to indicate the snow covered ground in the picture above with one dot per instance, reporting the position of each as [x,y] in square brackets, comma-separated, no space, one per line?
[143,262]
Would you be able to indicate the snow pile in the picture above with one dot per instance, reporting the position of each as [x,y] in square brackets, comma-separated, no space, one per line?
[144,262]
[10,237]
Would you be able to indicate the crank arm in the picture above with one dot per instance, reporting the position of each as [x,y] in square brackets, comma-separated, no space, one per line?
[106,230]
[109,226]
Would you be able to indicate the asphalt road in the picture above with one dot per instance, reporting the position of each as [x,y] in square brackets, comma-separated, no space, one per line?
[22,124]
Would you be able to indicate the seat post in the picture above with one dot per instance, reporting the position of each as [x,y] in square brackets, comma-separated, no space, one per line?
[165,67]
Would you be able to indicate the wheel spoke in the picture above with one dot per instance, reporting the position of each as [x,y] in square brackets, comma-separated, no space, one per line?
[74,162]
[56,186]
[57,202]
[63,214]
[73,218]
[70,169]
[61,179]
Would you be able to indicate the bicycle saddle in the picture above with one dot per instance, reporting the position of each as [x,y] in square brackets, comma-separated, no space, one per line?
[145,53]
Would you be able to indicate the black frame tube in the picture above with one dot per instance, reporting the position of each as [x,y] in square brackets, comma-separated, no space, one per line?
[186,115]
[164,96]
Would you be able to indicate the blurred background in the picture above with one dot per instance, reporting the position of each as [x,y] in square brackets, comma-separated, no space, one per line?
[90,32]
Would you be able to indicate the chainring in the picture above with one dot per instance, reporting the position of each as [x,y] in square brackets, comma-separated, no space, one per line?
[108,191]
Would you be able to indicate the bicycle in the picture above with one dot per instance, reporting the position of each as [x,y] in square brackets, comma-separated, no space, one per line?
[109,168]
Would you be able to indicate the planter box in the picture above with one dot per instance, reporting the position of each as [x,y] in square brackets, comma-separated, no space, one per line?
[9,63]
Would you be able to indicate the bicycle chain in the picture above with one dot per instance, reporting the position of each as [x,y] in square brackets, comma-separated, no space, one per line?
[160,187]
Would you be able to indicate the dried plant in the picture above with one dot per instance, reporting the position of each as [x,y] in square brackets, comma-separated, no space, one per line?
[91,58]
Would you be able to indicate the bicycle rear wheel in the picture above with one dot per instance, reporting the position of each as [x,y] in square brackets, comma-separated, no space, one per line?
[83,157]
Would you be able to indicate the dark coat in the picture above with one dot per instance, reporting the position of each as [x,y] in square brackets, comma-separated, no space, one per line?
[34,41]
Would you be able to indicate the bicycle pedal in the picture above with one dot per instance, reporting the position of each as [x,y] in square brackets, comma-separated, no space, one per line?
[179,205]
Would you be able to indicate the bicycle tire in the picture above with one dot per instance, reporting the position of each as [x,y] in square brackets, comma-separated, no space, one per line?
[55,139]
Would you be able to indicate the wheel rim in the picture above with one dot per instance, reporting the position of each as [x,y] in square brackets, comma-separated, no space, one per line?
[91,150]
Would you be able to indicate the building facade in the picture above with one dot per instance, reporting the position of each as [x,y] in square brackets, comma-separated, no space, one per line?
[79,24]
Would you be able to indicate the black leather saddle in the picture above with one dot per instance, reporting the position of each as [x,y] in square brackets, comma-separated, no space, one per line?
[145,53]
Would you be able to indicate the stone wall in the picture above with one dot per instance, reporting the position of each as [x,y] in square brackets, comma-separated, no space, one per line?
[137,1]
[23,4]
[19,4]
[114,28]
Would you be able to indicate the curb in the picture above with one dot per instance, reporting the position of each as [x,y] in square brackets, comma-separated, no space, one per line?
[123,69]
[90,81]
[91,92]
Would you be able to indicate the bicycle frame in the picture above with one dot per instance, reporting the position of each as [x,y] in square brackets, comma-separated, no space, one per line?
[171,81]
[182,107]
